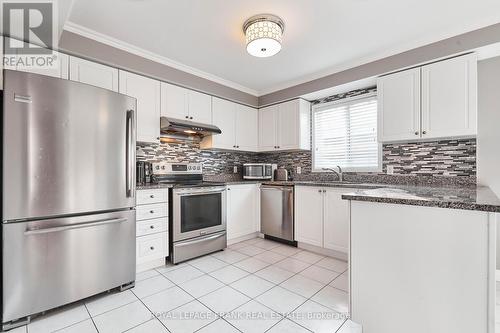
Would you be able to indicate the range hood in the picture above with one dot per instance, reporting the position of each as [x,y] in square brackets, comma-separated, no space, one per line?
[169,126]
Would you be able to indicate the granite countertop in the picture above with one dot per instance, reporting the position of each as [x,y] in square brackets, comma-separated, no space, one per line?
[479,198]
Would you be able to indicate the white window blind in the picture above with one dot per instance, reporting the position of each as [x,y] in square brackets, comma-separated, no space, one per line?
[345,134]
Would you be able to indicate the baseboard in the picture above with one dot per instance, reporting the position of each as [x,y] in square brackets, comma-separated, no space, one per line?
[150,265]
[243,238]
[323,251]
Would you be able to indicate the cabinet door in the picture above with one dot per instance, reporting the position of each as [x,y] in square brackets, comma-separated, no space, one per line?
[267,128]
[174,101]
[59,71]
[147,93]
[309,215]
[247,128]
[93,73]
[399,106]
[449,98]
[200,107]
[242,210]
[288,125]
[336,220]
[224,114]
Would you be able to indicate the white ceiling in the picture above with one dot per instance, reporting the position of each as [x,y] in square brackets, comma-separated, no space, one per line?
[321,36]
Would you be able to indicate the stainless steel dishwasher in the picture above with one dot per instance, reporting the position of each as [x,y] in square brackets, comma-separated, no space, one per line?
[276,211]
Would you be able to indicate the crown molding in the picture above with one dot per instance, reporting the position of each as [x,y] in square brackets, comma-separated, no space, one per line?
[119,44]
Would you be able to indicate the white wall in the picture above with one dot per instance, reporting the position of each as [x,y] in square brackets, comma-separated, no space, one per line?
[488,138]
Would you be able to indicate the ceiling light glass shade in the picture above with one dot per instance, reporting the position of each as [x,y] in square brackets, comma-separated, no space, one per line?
[263,35]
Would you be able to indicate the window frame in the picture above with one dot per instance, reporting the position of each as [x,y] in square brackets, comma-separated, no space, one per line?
[379,166]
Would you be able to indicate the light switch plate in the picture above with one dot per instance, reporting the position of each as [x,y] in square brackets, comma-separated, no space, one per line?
[299,170]
[235,169]
[390,169]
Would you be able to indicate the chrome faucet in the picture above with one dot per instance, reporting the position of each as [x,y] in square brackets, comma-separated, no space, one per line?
[338,173]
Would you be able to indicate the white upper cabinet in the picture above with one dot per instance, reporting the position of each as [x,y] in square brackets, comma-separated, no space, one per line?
[435,101]
[147,93]
[200,107]
[60,70]
[239,126]
[285,126]
[268,128]
[182,103]
[247,128]
[399,106]
[224,117]
[449,98]
[93,73]
[174,101]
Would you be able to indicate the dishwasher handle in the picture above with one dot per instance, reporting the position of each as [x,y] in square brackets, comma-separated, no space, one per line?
[277,187]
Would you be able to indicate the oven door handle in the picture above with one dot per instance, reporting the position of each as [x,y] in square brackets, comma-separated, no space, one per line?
[201,192]
[204,239]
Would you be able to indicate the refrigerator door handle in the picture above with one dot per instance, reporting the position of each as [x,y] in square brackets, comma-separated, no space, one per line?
[130,153]
[74,226]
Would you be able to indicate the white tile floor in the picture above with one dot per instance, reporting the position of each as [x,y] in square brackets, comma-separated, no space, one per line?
[253,286]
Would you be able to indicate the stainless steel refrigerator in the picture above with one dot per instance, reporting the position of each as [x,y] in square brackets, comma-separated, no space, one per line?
[68,196]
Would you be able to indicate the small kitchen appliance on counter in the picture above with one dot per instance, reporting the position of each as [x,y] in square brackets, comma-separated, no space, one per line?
[197,211]
[144,172]
[258,171]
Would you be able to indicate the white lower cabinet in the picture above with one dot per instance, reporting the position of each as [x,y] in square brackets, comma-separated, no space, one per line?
[322,217]
[336,220]
[151,226]
[243,213]
[309,215]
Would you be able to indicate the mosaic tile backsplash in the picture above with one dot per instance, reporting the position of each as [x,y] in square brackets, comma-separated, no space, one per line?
[442,162]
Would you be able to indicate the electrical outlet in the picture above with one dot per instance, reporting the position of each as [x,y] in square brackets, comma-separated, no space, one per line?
[299,170]
[235,169]
[390,169]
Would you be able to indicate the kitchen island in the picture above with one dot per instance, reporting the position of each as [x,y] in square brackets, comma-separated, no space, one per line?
[422,259]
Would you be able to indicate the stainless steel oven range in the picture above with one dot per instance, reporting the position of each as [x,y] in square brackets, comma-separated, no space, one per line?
[197,211]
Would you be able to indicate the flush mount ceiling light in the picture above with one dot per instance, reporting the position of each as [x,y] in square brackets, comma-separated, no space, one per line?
[263,34]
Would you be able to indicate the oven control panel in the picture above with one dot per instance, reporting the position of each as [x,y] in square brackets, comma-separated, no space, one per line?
[165,168]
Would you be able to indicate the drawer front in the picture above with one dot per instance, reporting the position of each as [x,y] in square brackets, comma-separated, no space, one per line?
[145,197]
[153,211]
[151,247]
[148,227]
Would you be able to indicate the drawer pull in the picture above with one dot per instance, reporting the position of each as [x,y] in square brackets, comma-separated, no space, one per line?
[152,248]
[151,196]
[152,211]
[152,226]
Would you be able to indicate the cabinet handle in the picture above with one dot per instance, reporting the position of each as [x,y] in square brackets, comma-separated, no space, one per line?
[324,191]
[151,226]
[187,117]
[152,247]
[424,132]
[151,196]
[152,211]
[190,117]
[416,133]
[319,191]
[157,138]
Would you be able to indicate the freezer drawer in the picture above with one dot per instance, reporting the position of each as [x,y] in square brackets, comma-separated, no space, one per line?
[276,206]
[49,263]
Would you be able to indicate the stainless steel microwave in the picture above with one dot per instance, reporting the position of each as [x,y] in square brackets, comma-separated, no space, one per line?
[257,171]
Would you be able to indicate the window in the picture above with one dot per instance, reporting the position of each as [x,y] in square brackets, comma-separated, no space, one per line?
[345,134]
